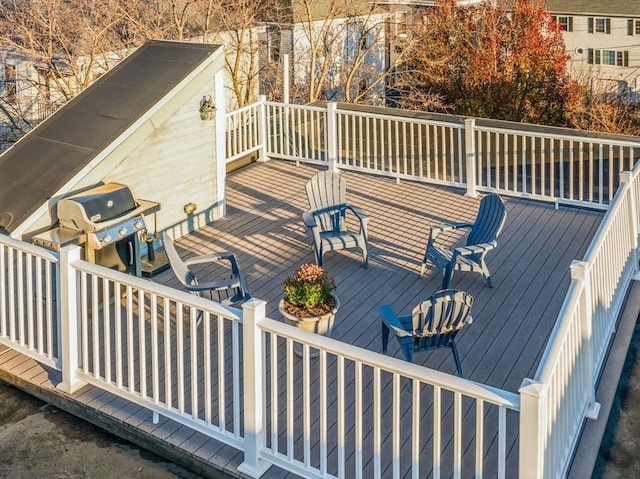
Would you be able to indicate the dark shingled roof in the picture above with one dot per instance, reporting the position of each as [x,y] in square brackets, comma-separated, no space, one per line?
[629,8]
[45,159]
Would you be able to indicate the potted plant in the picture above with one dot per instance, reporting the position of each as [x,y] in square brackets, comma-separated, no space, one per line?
[309,301]
[207,108]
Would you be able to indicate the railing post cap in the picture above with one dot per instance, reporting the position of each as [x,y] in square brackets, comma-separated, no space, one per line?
[531,387]
[625,176]
[578,269]
[253,304]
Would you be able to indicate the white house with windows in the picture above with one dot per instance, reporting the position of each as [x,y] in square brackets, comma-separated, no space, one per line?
[603,41]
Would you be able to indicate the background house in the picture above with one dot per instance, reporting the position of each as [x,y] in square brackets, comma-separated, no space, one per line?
[603,41]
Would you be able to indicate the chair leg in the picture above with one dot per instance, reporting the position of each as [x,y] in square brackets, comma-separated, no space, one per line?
[318,254]
[385,337]
[423,267]
[446,276]
[485,273]
[457,358]
[406,343]
[365,256]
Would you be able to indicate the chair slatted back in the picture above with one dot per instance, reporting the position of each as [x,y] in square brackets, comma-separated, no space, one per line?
[180,269]
[489,221]
[436,321]
[327,194]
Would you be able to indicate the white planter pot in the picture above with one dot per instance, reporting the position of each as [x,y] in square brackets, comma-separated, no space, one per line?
[322,324]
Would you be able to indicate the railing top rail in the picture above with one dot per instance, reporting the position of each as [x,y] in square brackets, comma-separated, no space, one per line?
[605,225]
[470,388]
[404,119]
[29,248]
[557,136]
[551,354]
[243,109]
[297,106]
[188,299]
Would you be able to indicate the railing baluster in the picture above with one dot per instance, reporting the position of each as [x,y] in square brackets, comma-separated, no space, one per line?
[437,431]
[193,346]
[415,430]
[117,289]
[206,352]
[107,328]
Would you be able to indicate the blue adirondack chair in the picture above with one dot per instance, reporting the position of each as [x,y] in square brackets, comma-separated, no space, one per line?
[325,218]
[433,324]
[230,289]
[482,239]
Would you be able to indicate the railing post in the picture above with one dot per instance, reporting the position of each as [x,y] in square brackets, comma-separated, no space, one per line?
[626,177]
[262,128]
[68,319]
[332,136]
[255,433]
[580,271]
[470,149]
[532,429]
[221,144]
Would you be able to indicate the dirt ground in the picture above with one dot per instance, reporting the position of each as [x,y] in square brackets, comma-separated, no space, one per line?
[38,441]
[619,455]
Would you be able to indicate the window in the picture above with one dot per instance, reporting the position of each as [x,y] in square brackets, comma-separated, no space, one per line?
[566,23]
[608,57]
[9,90]
[633,27]
[273,43]
[401,24]
[598,25]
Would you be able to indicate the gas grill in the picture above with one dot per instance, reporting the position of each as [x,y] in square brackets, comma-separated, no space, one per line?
[106,220]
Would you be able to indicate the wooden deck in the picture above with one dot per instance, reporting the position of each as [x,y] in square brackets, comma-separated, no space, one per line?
[263,227]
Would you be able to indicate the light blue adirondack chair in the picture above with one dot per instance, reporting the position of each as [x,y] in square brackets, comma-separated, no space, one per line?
[482,239]
[325,218]
[231,289]
[433,324]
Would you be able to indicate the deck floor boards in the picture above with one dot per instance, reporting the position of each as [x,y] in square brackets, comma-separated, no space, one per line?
[263,227]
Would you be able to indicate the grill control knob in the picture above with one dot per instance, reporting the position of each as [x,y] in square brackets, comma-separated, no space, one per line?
[122,231]
[107,239]
[138,224]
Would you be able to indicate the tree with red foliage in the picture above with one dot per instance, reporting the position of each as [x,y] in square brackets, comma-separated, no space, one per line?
[485,61]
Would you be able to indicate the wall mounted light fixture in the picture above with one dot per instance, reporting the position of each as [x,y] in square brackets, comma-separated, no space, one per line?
[207,108]
[189,208]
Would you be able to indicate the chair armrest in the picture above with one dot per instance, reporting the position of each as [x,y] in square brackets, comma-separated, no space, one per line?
[359,212]
[474,249]
[214,285]
[210,258]
[394,322]
[309,220]
[213,257]
[435,230]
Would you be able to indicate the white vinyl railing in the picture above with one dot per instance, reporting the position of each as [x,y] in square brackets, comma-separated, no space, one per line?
[242,131]
[555,404]
[296,132]
[570,169]
[171,352]
[400,147]
[28,306]
[354,413]
[548,164]
[233,375]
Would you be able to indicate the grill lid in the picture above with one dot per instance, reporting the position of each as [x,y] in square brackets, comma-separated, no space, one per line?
[90,209]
